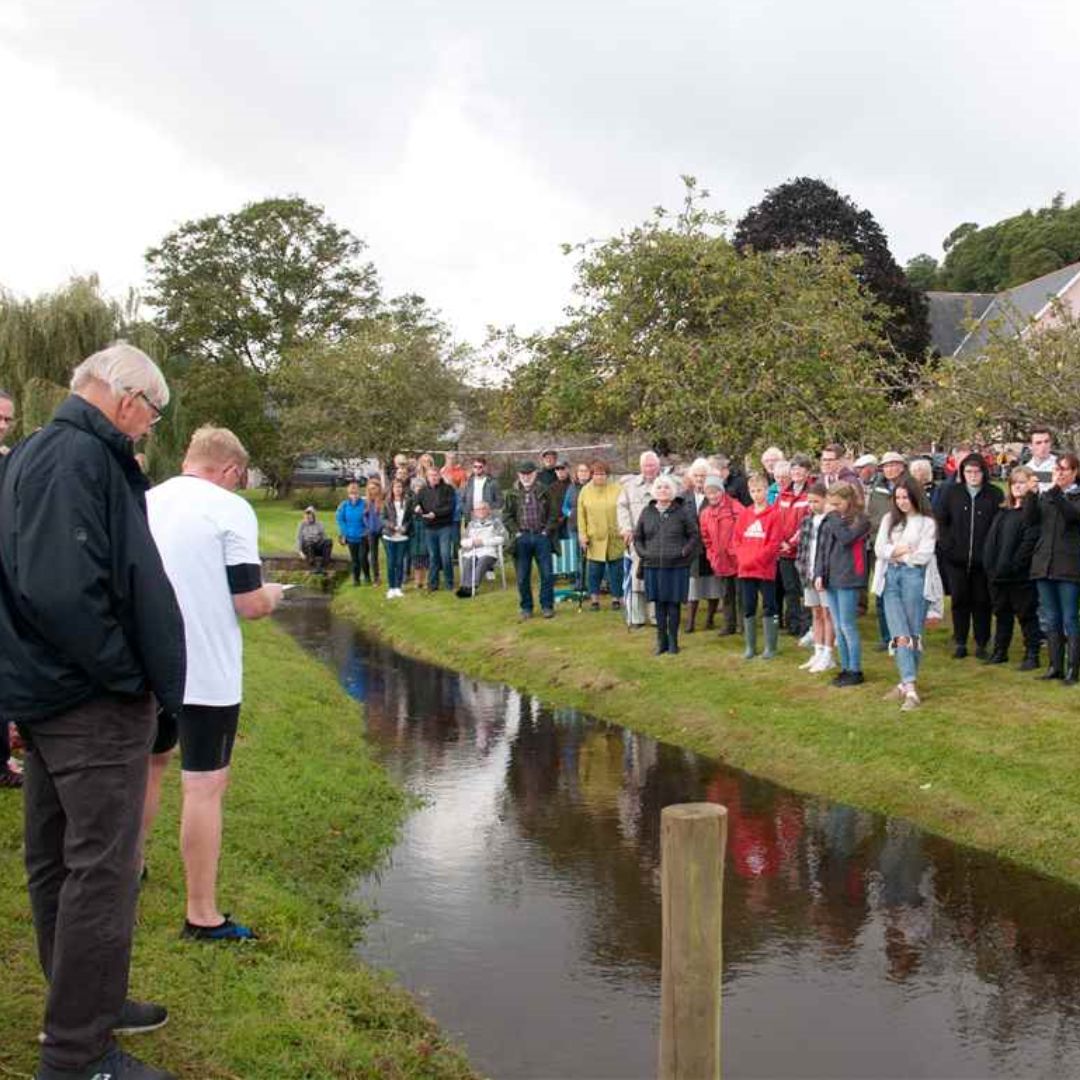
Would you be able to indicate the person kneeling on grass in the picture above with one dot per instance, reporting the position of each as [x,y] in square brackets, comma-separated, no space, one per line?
[824,637]
[666,538]
[904,569]
[312,542]
[840,571]
[758,533]
[480,547]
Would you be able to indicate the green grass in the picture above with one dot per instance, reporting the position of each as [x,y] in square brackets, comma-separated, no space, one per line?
[992,758]
[307,813]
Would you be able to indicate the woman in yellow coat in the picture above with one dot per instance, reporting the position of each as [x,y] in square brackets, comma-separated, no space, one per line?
[599,536]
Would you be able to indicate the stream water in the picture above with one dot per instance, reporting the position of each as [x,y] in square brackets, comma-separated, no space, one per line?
[522,904]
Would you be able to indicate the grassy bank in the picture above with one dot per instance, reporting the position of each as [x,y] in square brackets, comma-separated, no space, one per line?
[307,813]
[991,759]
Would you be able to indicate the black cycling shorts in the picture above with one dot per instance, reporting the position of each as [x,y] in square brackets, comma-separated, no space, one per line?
[206,734]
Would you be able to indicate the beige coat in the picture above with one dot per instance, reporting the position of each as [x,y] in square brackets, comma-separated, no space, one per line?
[633,498]
[598,522]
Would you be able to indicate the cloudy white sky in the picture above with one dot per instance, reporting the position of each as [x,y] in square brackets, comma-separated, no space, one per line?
[464,140]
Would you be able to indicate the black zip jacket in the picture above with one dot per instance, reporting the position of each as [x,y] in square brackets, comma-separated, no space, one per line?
[963,521]
[840,558]
[1057,552]
[438,500]
[667,538]
[85,606]
[1009,546]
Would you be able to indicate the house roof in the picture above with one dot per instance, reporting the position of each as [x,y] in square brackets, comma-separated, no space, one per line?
[1014,308]
[949,313]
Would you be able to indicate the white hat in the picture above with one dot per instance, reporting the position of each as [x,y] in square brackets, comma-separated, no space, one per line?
[864,460]
[891,457]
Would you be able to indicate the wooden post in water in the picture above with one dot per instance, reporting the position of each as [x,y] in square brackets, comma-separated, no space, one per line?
[693,838]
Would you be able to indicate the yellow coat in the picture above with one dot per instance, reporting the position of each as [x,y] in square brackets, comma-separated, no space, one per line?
[598,521]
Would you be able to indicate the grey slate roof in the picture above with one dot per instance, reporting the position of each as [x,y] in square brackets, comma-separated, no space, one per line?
[949,313]
[1015,307]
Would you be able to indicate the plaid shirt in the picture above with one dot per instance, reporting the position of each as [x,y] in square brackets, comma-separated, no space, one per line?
[530,510]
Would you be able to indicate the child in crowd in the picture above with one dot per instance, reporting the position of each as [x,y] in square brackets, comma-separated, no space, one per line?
[905,546]
[840,571]
[814,601]
[758,533]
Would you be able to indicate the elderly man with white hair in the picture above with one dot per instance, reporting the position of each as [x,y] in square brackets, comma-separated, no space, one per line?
[91,641]
[704,584]
[633,498]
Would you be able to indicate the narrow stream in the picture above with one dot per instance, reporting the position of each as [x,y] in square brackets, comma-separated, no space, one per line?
[522,905]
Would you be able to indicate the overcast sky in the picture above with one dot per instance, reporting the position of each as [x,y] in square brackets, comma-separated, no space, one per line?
[465,140]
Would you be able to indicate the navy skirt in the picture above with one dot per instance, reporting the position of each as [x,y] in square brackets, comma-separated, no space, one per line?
[667,585]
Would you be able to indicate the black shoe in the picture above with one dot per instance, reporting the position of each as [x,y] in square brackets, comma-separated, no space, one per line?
[659,649]
[855,678]
[840,679]
[960,652]
[139,1017]
[998,656]
[115,1065]
[224,931]
[464,594]
[982,653]
[1055,651]
[1030,661]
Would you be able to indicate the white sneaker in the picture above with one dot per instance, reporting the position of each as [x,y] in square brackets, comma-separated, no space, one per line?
[911,701]
[809,664]
[828,662]
[807,640]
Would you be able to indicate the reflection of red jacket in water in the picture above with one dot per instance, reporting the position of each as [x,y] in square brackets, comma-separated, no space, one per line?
[755,850]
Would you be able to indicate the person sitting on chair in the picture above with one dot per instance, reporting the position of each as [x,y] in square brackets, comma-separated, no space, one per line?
[480,546]
[312,542]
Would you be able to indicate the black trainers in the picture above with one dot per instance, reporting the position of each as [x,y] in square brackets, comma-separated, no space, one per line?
[224,931]
[136,1018]
[115,1065]
[139,1017]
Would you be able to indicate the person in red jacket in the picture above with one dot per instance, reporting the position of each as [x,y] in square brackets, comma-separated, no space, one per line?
[717,525]
[758,535]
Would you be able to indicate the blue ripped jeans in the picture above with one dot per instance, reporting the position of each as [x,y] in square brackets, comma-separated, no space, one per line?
[905,613]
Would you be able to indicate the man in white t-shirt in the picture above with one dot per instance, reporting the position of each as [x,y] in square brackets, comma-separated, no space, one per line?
[1042,461]
[209,543]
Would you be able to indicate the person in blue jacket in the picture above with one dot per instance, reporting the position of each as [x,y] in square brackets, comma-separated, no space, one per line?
[351,528]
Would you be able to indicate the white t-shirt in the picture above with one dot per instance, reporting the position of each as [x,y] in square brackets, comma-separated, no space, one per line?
[209,542]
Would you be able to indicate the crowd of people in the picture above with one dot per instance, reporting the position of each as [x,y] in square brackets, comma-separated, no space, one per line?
[801,544]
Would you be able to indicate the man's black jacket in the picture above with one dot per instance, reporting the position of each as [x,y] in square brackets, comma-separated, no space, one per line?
[438,500]
[85,606]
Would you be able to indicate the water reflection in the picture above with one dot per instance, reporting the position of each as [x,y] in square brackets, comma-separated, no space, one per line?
[523,903]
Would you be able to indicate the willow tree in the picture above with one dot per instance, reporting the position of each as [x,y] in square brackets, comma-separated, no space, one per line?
[44,337]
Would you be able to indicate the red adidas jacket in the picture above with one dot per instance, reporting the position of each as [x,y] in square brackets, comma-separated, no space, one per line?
[757,542]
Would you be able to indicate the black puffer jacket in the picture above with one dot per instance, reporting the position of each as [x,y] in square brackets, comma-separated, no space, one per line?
[1006,556]
[85,606]
[1057,552]
[840,560]
[667,538]
[963,521]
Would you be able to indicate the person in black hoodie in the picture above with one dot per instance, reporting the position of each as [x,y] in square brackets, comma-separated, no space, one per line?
[1055,566]
[667,538]
[964,515]
[1010,544]
[435,506]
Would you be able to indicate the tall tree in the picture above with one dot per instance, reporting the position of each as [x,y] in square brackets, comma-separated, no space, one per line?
[1013,250]
[922,272]
[805,212]
[391,384]
[251,285]
[678,337]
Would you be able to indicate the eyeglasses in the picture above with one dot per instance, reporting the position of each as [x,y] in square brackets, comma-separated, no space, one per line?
[158,414]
